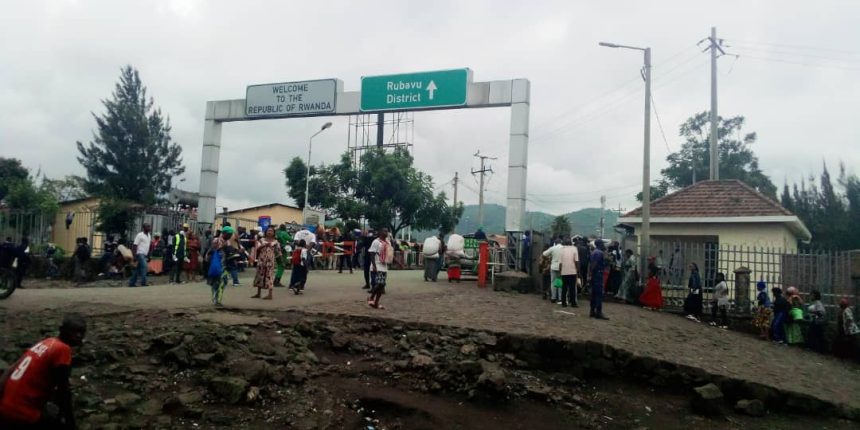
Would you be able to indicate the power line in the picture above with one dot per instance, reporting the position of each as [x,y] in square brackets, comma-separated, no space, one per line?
[582,113]
[808,64]
[798,47]
[659,123]
[597,114]
[791,53]
[618,88]
[588,192]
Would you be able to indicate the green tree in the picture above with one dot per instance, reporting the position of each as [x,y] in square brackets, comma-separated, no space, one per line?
[295,174]
[11,172]
[132,159]
[69,188]
[560,227]
[829,212]
[388,191]
[737,160]
[30,196]
[851,185]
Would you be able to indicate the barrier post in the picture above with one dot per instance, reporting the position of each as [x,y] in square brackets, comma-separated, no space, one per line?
[483,262]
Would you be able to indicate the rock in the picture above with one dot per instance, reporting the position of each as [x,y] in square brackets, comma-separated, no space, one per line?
[486,339]
[707,400]
[253,394]
[311,357]
[253,371]
[340,341]
[492,376]
[166,340]
[400,364]
[415,337]
[469,368]
[539,391]
[190,397]
[230,389]
[124,400]
[178,355]
[150,408]
[421,361]
[298,375]
[468,349]
[753,408]
[204,359]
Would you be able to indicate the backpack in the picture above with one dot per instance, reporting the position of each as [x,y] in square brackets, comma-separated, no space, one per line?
[215,266]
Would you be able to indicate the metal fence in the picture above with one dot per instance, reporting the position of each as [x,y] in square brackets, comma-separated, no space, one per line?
[833,273]
[17,224]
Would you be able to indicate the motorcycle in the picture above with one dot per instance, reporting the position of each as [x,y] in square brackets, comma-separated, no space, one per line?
[7,282]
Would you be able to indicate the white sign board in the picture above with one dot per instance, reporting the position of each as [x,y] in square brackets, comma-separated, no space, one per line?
[291,99]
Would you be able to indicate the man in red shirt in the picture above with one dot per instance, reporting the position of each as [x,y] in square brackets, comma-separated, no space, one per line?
[40,375]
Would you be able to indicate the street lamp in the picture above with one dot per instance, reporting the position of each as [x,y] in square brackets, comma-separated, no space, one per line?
[308,176]
[645,234]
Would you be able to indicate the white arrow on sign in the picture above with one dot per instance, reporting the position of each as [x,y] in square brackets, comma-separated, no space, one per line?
[431,89]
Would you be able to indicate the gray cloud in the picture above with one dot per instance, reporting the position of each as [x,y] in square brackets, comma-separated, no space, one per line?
[62,57]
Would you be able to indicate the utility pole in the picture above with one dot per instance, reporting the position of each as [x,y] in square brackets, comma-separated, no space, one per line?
[645,234]
[602,217]
[645,240]
[380,129]
[484,169]
[456,181]
[715,158]
[454,206]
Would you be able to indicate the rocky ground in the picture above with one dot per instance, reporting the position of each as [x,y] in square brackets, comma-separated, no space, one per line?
[268,369]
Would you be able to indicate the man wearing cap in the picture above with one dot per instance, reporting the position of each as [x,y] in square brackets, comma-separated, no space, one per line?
[180,250]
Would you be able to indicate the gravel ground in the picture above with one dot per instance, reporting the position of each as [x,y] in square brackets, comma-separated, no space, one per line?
[663,336]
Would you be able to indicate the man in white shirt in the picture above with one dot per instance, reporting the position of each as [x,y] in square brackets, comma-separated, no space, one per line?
[141,249]
[431,257]
[569,261]
[554,252]
[381,253]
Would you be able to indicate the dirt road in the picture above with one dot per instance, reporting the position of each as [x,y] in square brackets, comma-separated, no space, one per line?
[641,333]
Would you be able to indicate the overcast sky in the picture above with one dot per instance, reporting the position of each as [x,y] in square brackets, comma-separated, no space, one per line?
[797,81]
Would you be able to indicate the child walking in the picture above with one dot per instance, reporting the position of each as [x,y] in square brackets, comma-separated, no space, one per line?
[298,260]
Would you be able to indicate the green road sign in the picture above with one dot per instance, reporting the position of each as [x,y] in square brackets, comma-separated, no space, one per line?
[415,90]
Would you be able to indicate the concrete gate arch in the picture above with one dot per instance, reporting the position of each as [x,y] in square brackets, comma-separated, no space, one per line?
[514,93]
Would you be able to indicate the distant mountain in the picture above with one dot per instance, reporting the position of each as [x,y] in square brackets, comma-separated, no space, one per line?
[584,221]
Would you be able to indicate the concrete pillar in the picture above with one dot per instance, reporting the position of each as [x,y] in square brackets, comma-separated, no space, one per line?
[209,167]
[742,290]
[518,155]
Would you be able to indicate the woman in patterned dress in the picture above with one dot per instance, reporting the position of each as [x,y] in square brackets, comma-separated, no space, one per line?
[266,251]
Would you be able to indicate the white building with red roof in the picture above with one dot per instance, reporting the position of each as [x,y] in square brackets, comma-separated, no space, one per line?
[726,212]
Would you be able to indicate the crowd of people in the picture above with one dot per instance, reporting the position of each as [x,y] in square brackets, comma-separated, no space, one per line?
[577,266]
[219,256]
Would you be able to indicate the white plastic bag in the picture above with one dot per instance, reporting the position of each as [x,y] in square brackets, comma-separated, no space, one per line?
[456,243]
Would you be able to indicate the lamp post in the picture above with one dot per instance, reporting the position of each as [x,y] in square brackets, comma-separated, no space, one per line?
[645,234]
[308,175]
